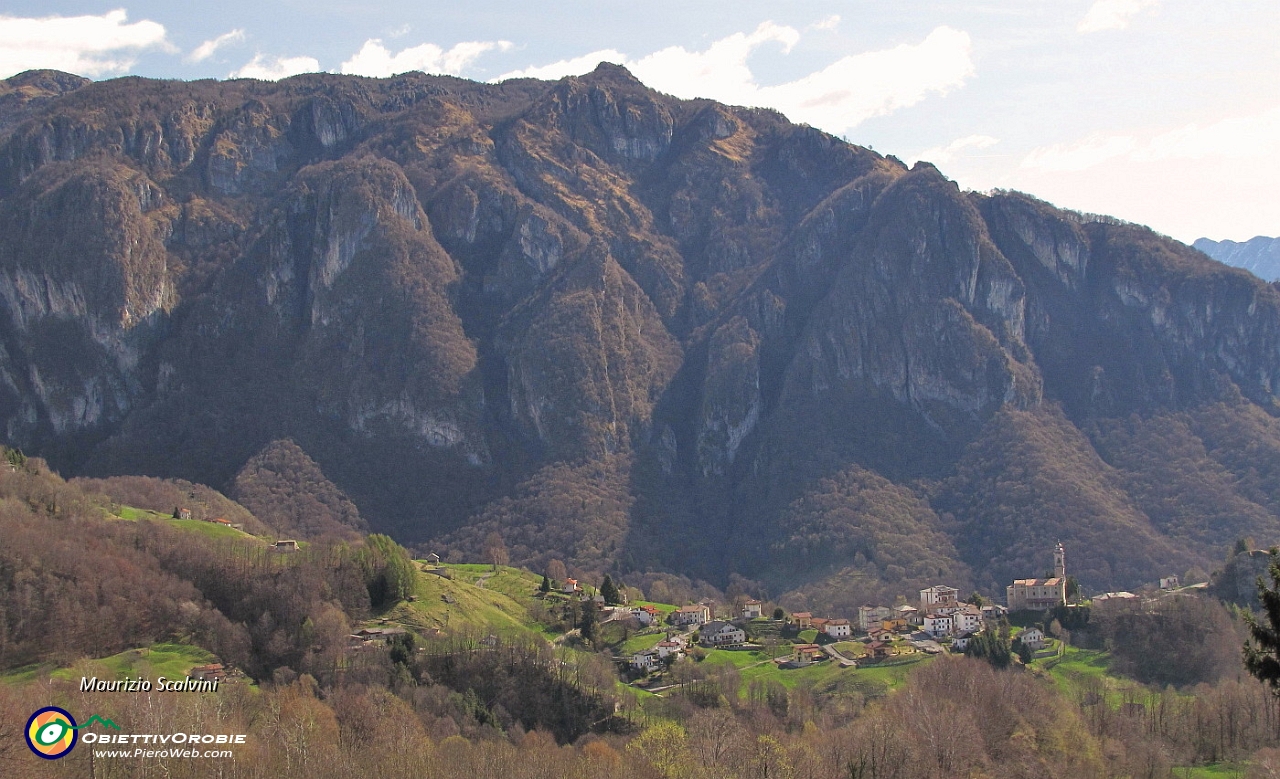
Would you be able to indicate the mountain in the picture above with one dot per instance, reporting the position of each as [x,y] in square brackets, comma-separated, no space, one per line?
[627,331]
[1258,255]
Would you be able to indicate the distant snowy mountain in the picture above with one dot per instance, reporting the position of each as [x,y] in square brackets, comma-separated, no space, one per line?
[1260,255]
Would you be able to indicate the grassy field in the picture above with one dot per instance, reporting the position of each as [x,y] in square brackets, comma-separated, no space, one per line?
[1077,671]
[827,675]
[851,648]
[171,661]
[518,584]
[500,609]
[209,529]
[640,643]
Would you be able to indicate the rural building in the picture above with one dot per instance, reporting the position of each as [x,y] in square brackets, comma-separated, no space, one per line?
[939,598]
[838,628]
[909,614]
[878,650]
[646,660]
[1032,638]
[214,672]
[804,654]
[752,609]
[872,616]
[692,615]
[719,633]
[967,619]
[802,620]
[288,545]
[938,625]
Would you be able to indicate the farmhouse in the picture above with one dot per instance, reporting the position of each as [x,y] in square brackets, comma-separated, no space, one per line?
[646,660]
[692,615]
[804,654]
[214,672]
[837,628]
[1032,638]
[722,634]
[752,609]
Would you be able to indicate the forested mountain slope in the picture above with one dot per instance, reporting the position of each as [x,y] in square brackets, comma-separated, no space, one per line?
[624,330]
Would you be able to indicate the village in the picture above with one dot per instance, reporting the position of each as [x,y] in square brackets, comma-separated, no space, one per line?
[876,636]
[657,636]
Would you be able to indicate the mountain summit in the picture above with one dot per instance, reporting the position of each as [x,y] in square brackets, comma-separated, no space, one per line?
[1259,255]
[621,329]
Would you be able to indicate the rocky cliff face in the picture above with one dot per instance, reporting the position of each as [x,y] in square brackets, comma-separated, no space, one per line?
[1259,255]
[478,307]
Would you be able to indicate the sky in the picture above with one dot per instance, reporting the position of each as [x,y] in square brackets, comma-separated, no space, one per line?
[1162,112]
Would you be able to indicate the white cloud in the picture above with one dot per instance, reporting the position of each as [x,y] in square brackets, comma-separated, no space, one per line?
[1082,155]
[943,154]
[276,68]
[720,72]
[858,87]
[1238,136]
[87,45]
[377,61]
[830,23]
[1254,136]
[836,98]
[570,67]
[1112,14]
[206,50]
[1215,179]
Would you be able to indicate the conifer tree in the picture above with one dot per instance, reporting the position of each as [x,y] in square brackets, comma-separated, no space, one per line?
[609,591]
[1262,650]
[587,625]
[545,587]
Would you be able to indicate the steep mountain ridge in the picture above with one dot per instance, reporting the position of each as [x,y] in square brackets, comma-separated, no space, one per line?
[1259,255]
[626,330]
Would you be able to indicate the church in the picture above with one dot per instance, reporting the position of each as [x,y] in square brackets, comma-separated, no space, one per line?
[1041,594]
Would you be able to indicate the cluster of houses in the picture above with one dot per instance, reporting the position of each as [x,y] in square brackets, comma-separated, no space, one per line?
[941,615]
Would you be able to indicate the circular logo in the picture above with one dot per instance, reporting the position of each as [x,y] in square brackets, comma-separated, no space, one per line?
[51,732]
